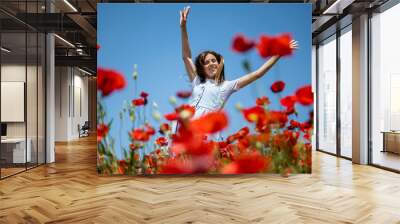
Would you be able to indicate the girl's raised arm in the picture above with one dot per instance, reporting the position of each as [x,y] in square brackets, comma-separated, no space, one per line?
[186,53]
[260,72]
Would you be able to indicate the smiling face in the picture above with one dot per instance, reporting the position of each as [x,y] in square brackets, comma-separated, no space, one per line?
[210,66]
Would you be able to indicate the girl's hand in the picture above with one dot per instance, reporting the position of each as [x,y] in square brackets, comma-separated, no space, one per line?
[184,13]
[294,44]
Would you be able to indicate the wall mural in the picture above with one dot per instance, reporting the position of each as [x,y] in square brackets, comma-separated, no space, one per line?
[204,89]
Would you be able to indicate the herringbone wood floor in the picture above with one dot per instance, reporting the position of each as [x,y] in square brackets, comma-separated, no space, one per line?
[70,191]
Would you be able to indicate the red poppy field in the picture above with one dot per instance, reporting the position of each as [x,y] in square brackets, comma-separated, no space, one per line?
[270,141]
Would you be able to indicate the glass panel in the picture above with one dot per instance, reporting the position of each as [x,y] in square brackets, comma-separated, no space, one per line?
[385,86]
[32,84]
[327,96]
[346,94]
[41,98]
[13,86]
[31,97]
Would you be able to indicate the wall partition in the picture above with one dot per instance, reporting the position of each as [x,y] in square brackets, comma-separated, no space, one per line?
[22,77]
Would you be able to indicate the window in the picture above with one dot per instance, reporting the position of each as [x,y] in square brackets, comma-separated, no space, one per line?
[346,92]
[327,95]
[385,89]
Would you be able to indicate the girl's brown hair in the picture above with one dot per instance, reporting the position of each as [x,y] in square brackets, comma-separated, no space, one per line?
[220,76]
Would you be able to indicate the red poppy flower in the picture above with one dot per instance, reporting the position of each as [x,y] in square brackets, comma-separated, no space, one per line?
[162,141]
[294,124]
[140,134]
[243,132]
[191,145]
[291,136]
[149,129]
[164,127]
[210,123]
[144,94]
[176,166]
[278,117]
[242,44]
[149,160]
[102,131]
[139,102]
[263,138]
[222,145]
[252,162]
[261,101]
[121,167]
[191,141]
[290,110]
[184,94]
[121,170]
[305,95]
[97,46]
[134,147]
[254,114]
[109,81]
[232,138]
[185,111]
[171,116]
[277,86]
[227,152]
[243,144]
[305,126]
[307,136]
[288,101]
[278,45]
[122,162]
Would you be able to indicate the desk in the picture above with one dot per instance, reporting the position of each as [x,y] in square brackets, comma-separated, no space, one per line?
[16,147]
[391,141]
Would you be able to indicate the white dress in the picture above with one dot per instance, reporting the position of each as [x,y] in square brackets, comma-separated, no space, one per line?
[208,97]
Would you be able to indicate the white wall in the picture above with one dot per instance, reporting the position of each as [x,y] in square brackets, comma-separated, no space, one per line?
[61,103]
[71,87]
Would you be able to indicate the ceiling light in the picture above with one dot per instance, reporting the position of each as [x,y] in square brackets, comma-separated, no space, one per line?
[70,5]
[337,7]
[64,40]
[5,50]
[84,71]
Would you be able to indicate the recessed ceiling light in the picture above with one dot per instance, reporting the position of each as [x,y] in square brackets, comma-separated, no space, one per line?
[64,40]
[84,71]
[70,5]
[5,50]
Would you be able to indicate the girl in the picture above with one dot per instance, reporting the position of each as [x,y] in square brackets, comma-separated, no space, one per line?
[210,89]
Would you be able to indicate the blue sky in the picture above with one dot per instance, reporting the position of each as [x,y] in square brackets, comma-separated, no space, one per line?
[149,35]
